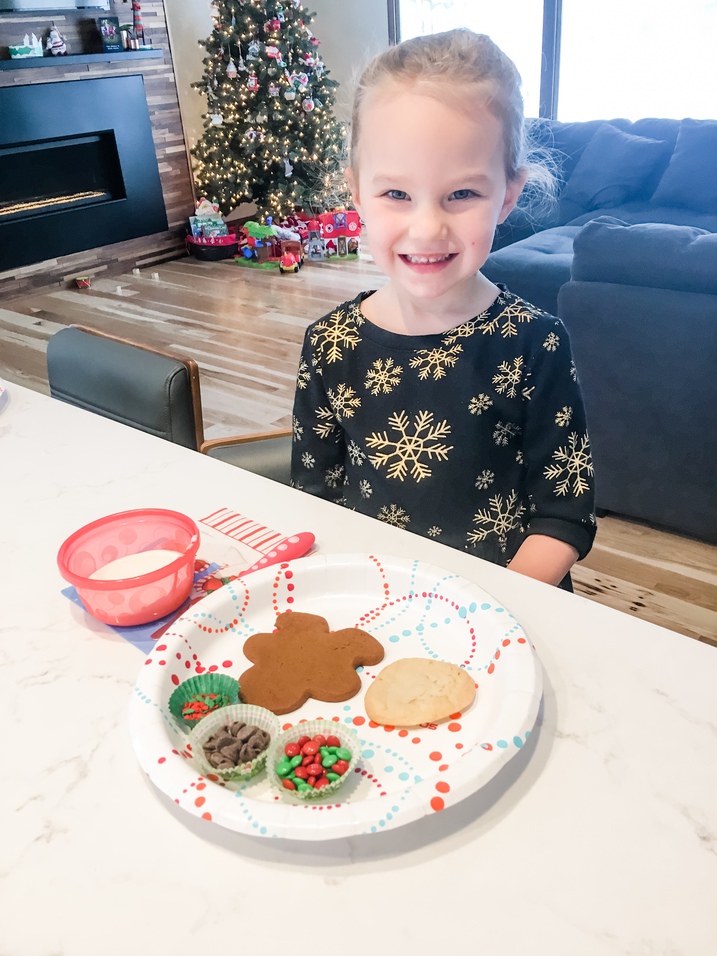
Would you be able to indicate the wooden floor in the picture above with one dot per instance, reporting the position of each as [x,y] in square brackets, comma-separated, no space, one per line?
[245,327]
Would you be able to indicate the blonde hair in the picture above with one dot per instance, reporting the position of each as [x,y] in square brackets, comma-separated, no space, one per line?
[447,65]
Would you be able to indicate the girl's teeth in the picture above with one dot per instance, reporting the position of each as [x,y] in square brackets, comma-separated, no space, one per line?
[426,259]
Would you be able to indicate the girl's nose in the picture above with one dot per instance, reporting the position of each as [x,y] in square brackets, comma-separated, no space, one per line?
[427,223]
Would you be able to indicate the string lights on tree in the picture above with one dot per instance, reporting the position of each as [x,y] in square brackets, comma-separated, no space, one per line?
[269,126]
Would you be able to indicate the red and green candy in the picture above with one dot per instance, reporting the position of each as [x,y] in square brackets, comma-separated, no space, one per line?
[202,704]
[312,763]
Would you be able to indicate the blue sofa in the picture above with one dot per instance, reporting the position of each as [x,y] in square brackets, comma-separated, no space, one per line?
[652,170]
[627,258]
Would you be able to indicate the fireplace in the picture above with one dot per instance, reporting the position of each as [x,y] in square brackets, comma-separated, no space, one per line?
[78,168]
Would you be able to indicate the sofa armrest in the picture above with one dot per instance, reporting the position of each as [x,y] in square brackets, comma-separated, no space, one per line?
[657,255]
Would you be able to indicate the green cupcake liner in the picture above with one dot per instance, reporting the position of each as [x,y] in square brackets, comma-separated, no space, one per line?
[250,714]
[309,728]
[202,684]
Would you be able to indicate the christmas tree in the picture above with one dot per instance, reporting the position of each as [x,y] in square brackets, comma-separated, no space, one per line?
[270,136]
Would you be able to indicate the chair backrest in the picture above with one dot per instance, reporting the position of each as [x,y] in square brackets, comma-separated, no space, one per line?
[127,382]
[265,453]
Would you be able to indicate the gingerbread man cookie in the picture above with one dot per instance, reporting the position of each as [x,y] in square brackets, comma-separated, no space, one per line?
[303,659]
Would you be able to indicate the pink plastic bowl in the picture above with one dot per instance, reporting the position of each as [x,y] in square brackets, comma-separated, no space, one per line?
[145,597]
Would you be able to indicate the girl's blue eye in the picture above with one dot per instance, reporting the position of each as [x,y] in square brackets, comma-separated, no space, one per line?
[397,194]
[463,194]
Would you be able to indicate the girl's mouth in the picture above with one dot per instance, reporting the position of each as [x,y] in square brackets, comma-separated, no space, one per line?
[428,260]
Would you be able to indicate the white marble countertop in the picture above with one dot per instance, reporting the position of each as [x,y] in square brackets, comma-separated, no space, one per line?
[599,837]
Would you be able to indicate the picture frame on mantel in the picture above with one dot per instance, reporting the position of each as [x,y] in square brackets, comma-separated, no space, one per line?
[109,28]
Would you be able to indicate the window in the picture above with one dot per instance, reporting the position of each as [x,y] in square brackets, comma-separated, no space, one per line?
[617,58]
[636,58]
[498,20]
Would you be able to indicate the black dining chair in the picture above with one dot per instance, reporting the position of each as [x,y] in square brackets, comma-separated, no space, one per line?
[156,392]
[130,383]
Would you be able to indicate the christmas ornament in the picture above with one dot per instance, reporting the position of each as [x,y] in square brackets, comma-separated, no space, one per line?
[273,89]
[56,42]
[262,117]
[299,81]
[288,168]
[241,65]
[216,119]
[232,70]
[272,52]
[251,134]
[307,105]
[252,83]
[289,95]
[254,48]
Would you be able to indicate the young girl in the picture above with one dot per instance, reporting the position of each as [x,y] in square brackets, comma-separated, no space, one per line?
[442,403]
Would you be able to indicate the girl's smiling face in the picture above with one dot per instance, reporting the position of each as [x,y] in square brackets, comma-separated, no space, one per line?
[430,184]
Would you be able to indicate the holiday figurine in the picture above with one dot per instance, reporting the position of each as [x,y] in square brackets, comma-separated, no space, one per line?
[56,42]
[231,70]
[137,21]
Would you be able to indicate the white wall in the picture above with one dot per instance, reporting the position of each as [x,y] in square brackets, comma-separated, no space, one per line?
[350,31]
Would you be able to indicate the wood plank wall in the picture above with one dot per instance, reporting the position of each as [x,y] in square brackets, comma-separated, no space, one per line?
[80,31]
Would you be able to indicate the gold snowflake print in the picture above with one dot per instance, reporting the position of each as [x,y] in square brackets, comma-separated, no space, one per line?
[303,376]
[499,519]
[507,378]
[365,489]
[504,431]
[335,476]
[485,479]
[552,342]
[327,423]
[435,361]
[507,321]
[434,531]
[564,415]
[355,454]
[573,464]
[460,332]
[479,403]
[335,334]
[383,377]
[344,401]
[307,460]
[297,428]
[394,515]
[416,440]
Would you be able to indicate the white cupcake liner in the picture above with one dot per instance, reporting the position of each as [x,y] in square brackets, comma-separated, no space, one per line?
[309,728]
[251,715]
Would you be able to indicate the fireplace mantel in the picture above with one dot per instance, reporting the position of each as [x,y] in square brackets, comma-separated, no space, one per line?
[73,59]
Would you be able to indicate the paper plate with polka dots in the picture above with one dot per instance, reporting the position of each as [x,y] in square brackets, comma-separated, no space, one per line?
[415,610]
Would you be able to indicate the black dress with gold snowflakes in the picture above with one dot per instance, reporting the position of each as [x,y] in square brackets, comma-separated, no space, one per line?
[475,437]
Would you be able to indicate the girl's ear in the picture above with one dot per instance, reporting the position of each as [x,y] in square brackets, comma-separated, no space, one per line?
[512,194]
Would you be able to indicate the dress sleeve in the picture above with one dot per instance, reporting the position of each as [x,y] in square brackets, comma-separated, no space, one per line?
[556,449]
[317,455]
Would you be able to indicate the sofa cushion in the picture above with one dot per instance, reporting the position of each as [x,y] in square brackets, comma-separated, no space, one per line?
[680,258]
[536,267]
[690,180]
[640,211]
[614,167]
